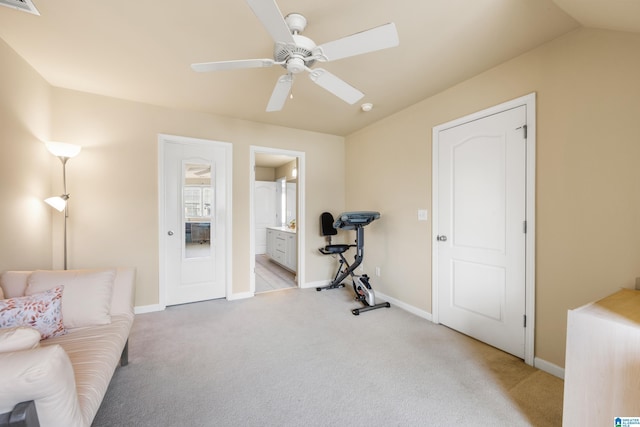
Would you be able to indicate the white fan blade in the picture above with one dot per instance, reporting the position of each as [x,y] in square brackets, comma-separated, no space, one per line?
[232,65]
[378,38]
[335,85]
[280,93]
[268,13]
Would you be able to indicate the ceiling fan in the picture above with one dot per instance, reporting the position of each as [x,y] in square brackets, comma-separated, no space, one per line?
[297,53]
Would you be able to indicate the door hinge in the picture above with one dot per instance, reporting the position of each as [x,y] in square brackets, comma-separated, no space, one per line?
[524,320]
[524,130]
[524,226]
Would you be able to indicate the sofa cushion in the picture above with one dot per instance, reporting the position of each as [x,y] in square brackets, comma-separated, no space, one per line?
[18,338]
[86,300]
[1,293]
[40,311]
[14,283]
[94,353]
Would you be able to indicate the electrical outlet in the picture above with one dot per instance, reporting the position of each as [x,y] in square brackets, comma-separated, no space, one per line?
[423,215]
[378,271]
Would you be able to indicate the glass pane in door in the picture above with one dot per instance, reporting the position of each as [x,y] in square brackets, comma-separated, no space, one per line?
[197,196]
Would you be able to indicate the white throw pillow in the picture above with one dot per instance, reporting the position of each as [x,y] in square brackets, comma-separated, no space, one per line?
[86,300]
[18,338]
[41,311]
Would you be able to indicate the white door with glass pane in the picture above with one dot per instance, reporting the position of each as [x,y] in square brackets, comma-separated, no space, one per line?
[193,231]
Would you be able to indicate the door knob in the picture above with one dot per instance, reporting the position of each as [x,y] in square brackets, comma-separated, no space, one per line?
[441,238]
[170,233]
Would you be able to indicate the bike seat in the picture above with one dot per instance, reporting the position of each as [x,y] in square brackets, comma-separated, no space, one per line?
[334,249]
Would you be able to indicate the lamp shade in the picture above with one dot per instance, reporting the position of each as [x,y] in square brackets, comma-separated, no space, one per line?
[57,202]
[62,149]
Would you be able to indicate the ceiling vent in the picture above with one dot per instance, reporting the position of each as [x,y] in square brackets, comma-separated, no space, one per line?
[24,5]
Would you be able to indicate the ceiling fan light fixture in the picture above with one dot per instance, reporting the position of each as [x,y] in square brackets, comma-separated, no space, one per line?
[296,65]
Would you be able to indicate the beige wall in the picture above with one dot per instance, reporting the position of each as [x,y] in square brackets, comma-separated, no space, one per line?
[114,181]
[265,174]
[588,179]
[286,171]
[24,166]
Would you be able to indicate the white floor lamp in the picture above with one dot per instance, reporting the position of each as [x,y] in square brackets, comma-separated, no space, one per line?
[64,152]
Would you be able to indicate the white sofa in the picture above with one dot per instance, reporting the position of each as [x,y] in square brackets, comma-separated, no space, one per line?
[65,377]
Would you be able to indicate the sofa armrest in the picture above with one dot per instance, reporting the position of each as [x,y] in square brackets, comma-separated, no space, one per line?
[23,415]
[44,375]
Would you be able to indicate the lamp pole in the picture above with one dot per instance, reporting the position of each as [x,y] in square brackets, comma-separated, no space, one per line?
[64,152]
[66,206]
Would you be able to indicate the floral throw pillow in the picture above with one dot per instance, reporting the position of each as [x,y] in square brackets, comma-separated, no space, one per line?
[40,311]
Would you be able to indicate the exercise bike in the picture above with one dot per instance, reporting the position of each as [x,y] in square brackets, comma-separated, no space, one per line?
[361,286]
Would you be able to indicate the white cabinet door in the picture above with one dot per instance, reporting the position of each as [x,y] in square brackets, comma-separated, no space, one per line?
[271,242]
[279,253]
[291,253]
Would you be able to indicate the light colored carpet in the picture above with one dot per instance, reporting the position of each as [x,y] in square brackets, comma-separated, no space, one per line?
[300,358]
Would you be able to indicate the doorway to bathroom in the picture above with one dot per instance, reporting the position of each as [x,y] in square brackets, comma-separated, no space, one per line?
[277,212]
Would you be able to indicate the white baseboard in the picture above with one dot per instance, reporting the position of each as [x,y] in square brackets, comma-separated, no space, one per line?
[548,367]
[316,284]
[158,307]
[406,307]
[240,295]
[141,309]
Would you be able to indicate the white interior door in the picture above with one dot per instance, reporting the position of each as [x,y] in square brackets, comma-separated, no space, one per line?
[481,229]
[264,194]
[194,232]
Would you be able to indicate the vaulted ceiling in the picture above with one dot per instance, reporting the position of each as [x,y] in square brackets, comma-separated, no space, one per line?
[142,50]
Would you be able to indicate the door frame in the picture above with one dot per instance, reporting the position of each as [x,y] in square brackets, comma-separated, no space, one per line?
[163,139]
[300,215]
[529,101]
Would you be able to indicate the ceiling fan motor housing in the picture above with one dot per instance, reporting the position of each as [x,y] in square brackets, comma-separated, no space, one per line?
[296,57]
